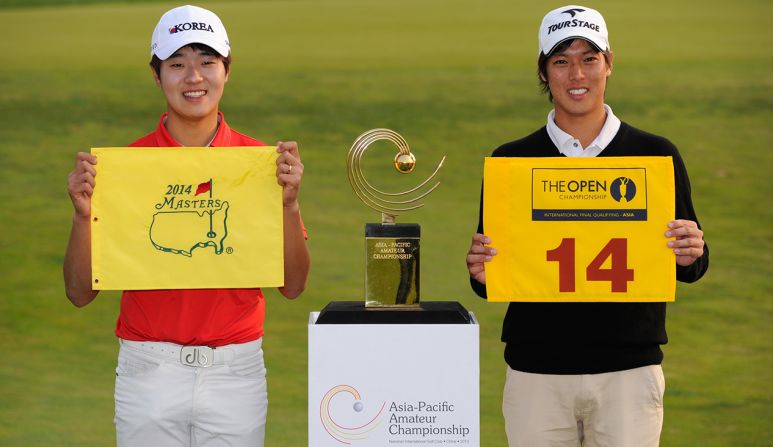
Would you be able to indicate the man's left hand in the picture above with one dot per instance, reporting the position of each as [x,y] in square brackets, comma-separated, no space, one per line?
[688,245]
[289,171]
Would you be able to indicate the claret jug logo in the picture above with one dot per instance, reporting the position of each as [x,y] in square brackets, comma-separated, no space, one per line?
[348,426]
[623,189]
[186,219]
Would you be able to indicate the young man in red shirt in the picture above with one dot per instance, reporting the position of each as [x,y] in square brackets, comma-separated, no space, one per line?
[587,374]
[163,398]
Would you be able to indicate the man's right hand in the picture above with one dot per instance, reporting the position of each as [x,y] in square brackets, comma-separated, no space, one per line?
[477,255]
[80,183]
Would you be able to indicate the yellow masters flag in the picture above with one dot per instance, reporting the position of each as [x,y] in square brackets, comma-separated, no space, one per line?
[186,218]
[579,229]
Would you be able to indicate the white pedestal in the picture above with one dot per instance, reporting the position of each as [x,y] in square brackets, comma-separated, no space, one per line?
[387,385]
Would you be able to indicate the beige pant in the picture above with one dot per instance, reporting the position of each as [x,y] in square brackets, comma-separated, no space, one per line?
[618,409]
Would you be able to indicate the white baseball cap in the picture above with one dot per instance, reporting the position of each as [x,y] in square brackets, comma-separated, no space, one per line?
[185,25]
[571,22]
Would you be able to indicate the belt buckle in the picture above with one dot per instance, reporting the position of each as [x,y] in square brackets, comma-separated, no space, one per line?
[202,356]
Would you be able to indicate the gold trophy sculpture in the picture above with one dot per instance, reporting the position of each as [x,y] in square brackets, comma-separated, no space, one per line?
[391,249]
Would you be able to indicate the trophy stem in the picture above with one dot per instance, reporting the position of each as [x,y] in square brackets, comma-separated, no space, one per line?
[387,219]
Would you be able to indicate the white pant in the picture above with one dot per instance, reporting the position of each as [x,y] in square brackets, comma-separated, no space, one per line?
[162,402]
[618,409]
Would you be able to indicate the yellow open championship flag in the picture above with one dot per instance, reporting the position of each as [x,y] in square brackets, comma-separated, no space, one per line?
[579,229]
[186,218]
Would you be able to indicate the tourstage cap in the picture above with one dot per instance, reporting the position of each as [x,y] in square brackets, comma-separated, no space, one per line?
[571,22]
[185,25]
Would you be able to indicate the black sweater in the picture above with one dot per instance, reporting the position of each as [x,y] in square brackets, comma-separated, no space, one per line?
[591,338]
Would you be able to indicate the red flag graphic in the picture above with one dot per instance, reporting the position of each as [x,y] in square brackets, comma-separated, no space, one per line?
[203,187]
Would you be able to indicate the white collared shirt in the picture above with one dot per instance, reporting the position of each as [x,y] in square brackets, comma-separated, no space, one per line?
[571,146]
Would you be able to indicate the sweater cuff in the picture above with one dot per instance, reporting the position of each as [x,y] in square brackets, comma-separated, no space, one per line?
[478,288]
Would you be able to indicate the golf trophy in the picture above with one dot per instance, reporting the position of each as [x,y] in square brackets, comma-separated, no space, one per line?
[391,344]
[391,249]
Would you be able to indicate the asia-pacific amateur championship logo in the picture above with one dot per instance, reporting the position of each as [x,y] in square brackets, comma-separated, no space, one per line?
[186,219]
[349,419]
[352,424]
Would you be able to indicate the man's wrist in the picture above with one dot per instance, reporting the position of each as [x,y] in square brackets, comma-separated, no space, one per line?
[79,219]
[291,207]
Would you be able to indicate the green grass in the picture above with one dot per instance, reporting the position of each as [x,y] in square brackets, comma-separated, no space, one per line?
[453,78]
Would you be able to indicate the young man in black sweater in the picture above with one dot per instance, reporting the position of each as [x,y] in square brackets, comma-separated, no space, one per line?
[587,373]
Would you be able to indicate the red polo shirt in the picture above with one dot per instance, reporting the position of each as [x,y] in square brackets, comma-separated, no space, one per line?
[212,317]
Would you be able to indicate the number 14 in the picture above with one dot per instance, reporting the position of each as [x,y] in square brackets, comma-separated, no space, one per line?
[618,274]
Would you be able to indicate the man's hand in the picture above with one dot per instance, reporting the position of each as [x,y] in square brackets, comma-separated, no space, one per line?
[77,258]
[289,171]
[477,255]
[80,183]
[688,245]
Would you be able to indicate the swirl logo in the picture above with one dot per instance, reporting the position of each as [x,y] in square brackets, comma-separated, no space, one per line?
[339,432]
[572,11]
[623,189]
